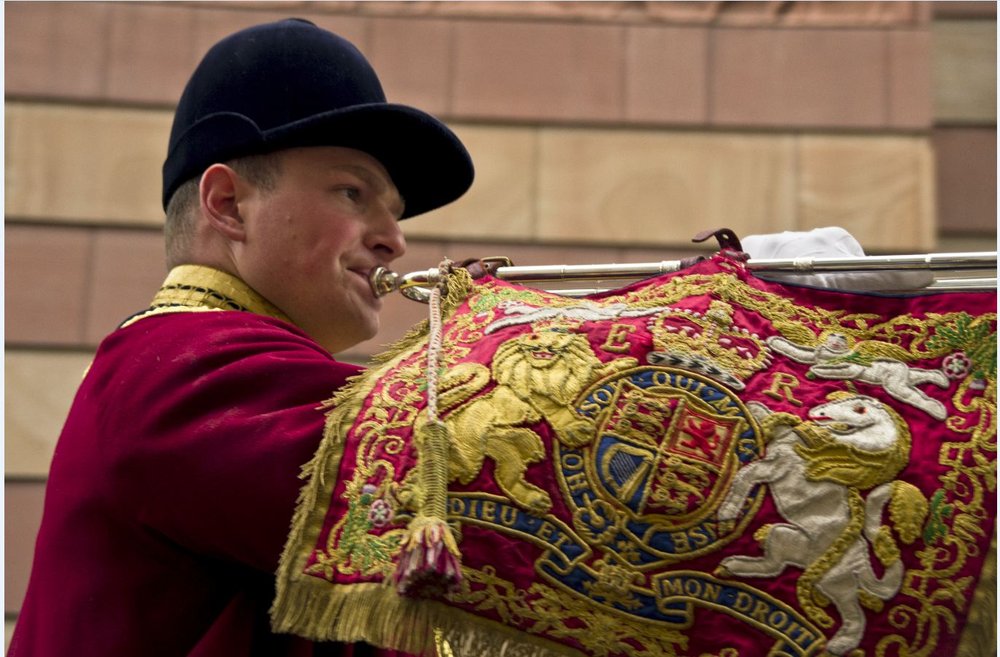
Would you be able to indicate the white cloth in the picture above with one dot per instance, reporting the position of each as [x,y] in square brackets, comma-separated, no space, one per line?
[828,242]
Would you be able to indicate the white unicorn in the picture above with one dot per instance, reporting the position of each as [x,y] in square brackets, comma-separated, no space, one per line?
[815,472]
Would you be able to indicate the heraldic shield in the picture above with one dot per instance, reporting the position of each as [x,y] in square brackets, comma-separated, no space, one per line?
[701,464]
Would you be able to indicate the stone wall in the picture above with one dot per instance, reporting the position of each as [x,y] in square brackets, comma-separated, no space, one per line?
[602,132]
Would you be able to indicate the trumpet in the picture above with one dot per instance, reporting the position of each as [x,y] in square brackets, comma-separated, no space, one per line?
[968,271]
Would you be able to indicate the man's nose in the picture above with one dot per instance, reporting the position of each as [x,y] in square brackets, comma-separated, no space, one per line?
[386,238]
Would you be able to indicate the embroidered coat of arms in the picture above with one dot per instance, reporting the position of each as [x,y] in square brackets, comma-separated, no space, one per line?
[701,464]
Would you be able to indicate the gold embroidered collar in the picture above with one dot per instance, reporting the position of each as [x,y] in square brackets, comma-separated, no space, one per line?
[190,288]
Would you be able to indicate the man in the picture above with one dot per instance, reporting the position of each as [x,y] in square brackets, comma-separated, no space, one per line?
[175,478]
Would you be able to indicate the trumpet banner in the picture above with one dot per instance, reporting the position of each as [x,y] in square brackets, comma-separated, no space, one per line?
[700,464]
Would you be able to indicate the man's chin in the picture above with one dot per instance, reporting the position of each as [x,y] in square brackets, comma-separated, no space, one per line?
[348,338]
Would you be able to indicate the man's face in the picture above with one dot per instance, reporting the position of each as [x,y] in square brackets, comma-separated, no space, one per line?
[312,240]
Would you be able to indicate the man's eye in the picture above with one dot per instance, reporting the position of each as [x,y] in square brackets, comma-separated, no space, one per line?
[351,193]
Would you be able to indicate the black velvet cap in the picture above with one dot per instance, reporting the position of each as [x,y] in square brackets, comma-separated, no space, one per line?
[289,84]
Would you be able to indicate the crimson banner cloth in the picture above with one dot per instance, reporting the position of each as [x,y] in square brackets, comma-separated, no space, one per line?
[700,464]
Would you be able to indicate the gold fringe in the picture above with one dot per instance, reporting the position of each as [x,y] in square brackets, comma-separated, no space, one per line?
[375,614]
[307,521]
[460,287]
[413,335]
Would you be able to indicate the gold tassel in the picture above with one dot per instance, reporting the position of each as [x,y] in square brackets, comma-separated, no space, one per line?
[429,562]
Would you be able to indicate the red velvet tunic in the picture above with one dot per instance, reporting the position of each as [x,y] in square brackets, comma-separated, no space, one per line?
[172,489]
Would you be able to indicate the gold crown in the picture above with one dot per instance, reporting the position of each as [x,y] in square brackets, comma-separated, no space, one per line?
[708,343]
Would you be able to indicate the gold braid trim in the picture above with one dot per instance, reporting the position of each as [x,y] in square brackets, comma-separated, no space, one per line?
[192,288]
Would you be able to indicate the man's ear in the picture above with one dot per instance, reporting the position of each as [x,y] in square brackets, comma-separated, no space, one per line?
[219,192]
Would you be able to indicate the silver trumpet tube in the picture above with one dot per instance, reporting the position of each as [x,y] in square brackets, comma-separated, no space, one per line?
[944,272]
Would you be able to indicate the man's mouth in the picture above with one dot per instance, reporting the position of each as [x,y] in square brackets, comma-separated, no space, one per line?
[365,280]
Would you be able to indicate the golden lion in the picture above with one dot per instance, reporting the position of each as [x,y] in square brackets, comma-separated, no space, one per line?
[538,376]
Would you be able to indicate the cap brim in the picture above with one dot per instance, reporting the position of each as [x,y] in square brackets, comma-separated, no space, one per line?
[425,159]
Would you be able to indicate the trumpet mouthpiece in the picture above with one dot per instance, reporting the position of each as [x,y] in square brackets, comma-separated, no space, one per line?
[383,281]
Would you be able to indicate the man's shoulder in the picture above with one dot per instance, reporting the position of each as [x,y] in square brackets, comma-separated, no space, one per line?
[209,326]
[212,338]
[220,347]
